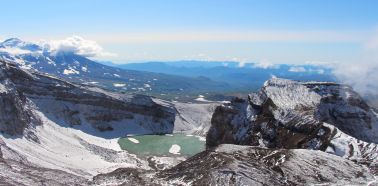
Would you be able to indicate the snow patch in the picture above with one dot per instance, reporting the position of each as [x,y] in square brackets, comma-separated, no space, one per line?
[201,98]
[175,149]
[70,71]
[119,84]
[3,89]
[201,138]
[84,69]
[133,140]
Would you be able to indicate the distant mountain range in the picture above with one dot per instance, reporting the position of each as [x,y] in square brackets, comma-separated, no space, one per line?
[242,77]
[79,69]
[182,80]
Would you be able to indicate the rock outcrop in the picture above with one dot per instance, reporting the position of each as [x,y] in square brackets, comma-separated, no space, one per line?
[232,165]
[15,108]
[246,165]
[70,104]
[290,114]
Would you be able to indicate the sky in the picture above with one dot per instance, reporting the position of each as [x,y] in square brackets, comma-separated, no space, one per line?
[277,31]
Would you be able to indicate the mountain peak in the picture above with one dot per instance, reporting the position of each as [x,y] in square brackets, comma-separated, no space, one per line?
[12,42]
[18,43]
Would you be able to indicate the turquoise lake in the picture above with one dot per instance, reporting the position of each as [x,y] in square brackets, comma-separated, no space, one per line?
[163,144]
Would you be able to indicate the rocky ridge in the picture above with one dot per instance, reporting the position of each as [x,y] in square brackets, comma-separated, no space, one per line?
[289,133]
[246,165]
[73,104]
[307,115]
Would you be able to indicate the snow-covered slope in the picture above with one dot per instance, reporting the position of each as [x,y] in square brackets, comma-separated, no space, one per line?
[310,115]
[16,170]
[73,105]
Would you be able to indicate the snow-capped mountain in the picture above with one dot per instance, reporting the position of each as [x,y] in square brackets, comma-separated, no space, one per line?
[15,43]
[80,69]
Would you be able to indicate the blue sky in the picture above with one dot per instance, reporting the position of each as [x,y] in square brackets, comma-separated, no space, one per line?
[280,31]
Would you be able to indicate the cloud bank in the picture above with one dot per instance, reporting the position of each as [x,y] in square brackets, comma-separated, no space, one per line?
[14,51]
[265,64]
[297,69]
[77,45]
[362,75]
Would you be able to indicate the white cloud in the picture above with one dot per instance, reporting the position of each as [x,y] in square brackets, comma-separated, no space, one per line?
[372,44]
[199,56]
[297,69]
[241,61]
[15,51]
[265,64]
[225,64]
[325,64]
[319,70]
[362,75]
[77,45]
[241,64]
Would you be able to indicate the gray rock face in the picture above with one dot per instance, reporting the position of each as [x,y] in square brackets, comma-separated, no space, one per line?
[72,104]
[15,110]
[122,176]
[243,165]
[289,114]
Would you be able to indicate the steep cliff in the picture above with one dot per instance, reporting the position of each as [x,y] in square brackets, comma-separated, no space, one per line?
[70,104]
